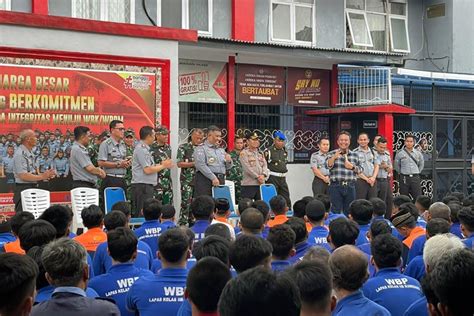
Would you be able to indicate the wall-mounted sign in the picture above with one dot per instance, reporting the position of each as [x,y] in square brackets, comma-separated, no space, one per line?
[346,125]
[260,85]
[308,87]
[370,124]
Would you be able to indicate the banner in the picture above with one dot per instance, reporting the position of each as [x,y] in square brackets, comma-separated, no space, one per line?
[308,87]
[260,85]
[202,81]
[49,98]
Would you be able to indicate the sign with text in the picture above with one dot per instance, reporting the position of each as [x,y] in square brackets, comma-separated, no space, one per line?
[308,87]
[202,81]
[260,85]
[369,124]
[48,98]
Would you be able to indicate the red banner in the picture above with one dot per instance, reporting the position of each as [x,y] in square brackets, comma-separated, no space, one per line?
[308,87]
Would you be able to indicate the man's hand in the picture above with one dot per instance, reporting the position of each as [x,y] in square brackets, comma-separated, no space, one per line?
[216,182]
[48,174]
[102,174]
[348,164]
[326,179]
[167,164]
[261,179]
[125,163]
[228,158]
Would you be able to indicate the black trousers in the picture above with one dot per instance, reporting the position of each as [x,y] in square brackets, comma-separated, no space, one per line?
[250,191]
[17,194]
[281,187]
[410,186]
[140,193]
[83,184]
[319,187]
[382,188]
[203,186]
[364,190]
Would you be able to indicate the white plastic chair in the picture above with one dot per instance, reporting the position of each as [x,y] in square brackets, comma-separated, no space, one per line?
[231,186]
[80,199]
[35,201]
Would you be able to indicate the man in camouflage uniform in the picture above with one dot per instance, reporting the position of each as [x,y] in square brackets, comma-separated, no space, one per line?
[235,173]
[93,147]
[130,143]
[161,151]
[186,163]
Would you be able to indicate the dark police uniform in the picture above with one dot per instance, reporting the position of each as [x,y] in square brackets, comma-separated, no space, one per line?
[23,162]
[277,160]
[409,166]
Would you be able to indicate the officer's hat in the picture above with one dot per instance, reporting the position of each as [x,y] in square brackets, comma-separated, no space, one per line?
[161,129]
[129,133]
[251,135]
[279,135]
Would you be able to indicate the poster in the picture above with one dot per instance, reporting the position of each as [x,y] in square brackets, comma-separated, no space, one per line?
[202,81]
[260,85]
[308,87]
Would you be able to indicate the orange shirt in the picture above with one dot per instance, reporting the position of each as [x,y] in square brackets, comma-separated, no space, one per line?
[14,246]
[415,233]
[278,220]
[309,227]
[92,238]
[222,220]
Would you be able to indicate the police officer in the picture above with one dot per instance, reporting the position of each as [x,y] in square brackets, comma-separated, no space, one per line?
[112,157]
[186,163]
[277,158]
[366,187]
[144,170]
[254,167]
[84,173]
[24,168]
[130,143]
[318,166]
[211,162]
[235,173]
[385,169]
[43,163]
[409,163]
[162,151]
[7,168]
[53,145]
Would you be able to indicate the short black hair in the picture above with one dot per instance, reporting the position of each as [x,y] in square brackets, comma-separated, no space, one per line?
[222,206]
[299,227]
[325,199]
[401,199]
[299,208]
[282,238]
[205,283]
[252,219]
[455,208]
[452,279]
[218,229]
[343,133]
[386,251]
[80,131]
[115,219]
[213,128]
[36,233]
[202,207]
[168,211]
[152,209]
[244,295]
[189,234]
[124,207]
[18,274]
[278,205]
[466,217]
[382,139]
[92,216]
[343,232]
[361,211]
[249,251]
[35,253]
[244,204]
[19,219]
[146,131]
[459,195]
[315,211]
[314,281]
[410,136]
[60,217]
[424,201]
[450,198]
[173,245]
[379,227]
[379,206]
[122,244]
[263,207]
[114,123]
[213,246]
[437,226]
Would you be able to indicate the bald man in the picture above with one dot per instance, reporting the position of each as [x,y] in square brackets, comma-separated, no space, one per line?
[24,167]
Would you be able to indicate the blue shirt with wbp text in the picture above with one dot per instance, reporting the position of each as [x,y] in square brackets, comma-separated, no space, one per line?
[357,304]
[393,290]
[150,231]
[102,260]
[318,237]
[116,283]
[199,228]
[161,294]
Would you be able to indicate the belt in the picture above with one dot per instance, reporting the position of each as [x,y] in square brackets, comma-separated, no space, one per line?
[410,175]
[382,179]
[278,174]
[342,182]
[116,175]
[27,184]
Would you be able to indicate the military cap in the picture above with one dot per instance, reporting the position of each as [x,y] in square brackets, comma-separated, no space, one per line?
[161,129]
[251,135]
[280,135]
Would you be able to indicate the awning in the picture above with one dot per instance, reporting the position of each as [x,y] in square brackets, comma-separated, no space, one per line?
[381,108]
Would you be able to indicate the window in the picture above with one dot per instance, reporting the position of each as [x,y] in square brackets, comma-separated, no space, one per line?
[105,10]
[293,21]
[5,5]
[197,15]
[377,25]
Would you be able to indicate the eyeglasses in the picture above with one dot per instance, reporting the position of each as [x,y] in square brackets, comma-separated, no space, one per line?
[120,128]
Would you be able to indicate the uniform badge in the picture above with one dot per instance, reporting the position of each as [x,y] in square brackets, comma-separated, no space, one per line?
[211,160]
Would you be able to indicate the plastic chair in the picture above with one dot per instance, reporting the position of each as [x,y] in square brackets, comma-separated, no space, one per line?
[231,186]
[113,195]
[35,201]
[223,192]
[267,191]
[80,199]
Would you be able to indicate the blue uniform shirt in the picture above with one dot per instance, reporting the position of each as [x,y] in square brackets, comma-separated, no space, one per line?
[102,260]
[156,265]
[456,230]
[318,237]
[392,290]
[418,308]
[469,242]
[161,294]
[44,294]
[167,225]
[301,249]
[199,228]
[358,304]
[116,283]
[416,268]
[365,248]
[332,216]
[149,233]
[395,232]
[280,265]
[362,238]
[266,231]
[6,237]
[416,248]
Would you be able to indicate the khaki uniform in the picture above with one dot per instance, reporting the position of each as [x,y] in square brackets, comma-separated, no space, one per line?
[253,165]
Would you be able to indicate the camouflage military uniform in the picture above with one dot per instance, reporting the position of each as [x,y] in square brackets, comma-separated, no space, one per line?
[128,174]
[185,154]
[235,174]
[164,188]
[93,150]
